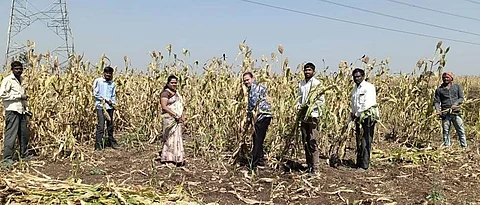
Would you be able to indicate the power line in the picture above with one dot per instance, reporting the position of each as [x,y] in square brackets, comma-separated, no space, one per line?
[360,24]
[434,10]
[400,18]
[472,1]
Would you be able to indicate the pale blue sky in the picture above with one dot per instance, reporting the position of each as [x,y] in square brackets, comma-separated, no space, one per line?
[212,27]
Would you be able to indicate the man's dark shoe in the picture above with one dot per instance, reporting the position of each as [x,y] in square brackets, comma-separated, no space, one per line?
[361,169]
[28,158]
[99,146]
[112,144]
[261,163]
[312,170]
[115,146]
[313,174]
[7,163]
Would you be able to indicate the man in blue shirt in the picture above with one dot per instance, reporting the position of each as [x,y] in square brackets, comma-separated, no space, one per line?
[257,102]
[105,100]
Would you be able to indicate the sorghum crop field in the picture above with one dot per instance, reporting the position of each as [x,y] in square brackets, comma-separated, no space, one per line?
[409,165]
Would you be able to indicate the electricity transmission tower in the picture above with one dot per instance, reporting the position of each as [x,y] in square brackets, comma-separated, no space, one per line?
[54,16]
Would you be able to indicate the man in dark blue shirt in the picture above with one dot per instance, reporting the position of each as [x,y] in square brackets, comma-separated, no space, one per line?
[258,106]
[448,98]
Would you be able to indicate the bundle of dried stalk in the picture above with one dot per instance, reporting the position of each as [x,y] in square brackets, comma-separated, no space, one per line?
[24,188]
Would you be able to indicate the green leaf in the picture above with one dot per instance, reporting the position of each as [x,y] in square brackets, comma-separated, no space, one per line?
[446,50]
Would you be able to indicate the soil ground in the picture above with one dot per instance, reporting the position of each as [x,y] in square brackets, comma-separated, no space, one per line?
[455,179]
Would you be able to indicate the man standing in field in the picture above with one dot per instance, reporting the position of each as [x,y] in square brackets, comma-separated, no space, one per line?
[365,114]
[259,114]
[309,124]
[15,102]
[447,100]
[105,99]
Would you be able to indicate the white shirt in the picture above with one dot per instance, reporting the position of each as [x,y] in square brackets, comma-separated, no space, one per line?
[364,96]
[10,92]
[303,90]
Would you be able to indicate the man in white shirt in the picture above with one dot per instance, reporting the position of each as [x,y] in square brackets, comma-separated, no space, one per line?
[365,114]
[309,127]
[14,100]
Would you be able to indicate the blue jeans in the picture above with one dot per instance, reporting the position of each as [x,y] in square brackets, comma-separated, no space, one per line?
[459,128]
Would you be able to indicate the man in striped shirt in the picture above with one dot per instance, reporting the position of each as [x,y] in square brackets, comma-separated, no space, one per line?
[257,102]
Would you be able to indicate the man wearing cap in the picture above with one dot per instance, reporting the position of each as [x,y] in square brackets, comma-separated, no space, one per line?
[447,100]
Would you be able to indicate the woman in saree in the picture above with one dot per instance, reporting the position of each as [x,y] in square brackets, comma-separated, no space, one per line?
[173,117]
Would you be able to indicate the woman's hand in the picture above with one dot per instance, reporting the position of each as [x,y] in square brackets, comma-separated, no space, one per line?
[177,117]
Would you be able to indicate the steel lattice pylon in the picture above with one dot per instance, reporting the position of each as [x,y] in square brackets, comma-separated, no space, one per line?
[54,16]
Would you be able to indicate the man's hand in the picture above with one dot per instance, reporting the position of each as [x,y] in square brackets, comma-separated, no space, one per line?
[249,115]
[249,118]
[352,116]
[298,107]
[249,121]
[109,102]
[455,106]
[439,114]
[23,97]
[183,119]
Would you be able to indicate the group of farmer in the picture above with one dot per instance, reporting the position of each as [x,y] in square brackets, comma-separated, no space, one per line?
[15,101]
[364,112]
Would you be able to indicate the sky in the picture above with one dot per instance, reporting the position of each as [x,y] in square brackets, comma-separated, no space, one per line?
[210,28]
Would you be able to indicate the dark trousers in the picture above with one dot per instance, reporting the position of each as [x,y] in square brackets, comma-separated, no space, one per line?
[99,143]
[259,133]
[15,125]
[310,142]
[364,141]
